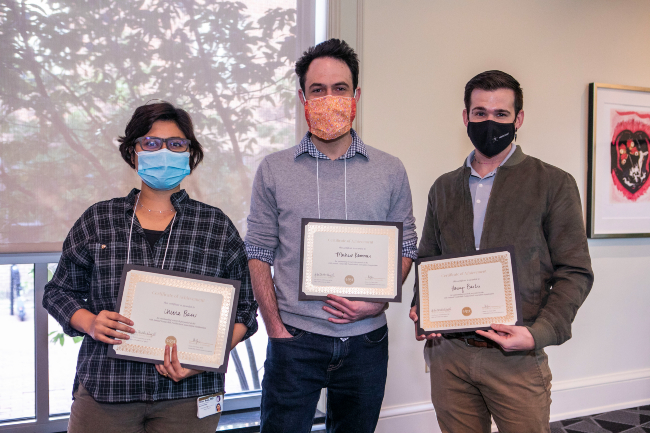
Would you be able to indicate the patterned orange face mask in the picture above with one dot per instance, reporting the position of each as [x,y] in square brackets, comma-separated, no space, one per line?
[330,117]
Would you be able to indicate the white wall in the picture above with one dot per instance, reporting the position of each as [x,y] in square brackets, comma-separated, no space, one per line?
[417,57]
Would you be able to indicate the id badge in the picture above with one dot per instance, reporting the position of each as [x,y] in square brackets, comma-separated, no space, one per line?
[209,405]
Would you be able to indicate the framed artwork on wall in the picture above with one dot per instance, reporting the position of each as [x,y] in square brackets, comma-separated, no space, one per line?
[618,187]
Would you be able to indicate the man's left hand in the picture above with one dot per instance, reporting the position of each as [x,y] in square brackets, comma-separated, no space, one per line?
[510,338]
[346,311]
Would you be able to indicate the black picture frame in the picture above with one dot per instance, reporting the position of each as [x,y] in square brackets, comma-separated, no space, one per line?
[419,261]
[233,313]
[597,177]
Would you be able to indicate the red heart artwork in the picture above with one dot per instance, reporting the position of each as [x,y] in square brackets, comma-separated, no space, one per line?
[629,152]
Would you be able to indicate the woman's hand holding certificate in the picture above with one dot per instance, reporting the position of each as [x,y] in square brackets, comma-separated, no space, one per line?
[104,327]
[184,322]
[172,367]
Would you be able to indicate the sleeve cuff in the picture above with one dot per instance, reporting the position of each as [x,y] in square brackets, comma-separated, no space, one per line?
[543,333]
[409,249]
[65,324]
[259,253]
[248,319]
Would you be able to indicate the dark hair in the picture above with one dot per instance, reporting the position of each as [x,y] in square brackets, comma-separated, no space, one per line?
[143,119]
[493,80]
[334,48]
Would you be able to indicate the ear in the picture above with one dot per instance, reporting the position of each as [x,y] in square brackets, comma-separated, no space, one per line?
[357,94]
[301,96]
[465,117]
[519,120]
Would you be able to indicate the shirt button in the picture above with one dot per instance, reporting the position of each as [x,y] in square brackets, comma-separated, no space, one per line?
[478,201]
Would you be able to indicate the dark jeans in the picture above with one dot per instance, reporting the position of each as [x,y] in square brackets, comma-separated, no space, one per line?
[297,368]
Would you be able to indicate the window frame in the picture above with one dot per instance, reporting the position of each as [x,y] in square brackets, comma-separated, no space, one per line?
[307,15]
[43,422]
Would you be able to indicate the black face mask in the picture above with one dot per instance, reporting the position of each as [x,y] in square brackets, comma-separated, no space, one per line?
[490,137]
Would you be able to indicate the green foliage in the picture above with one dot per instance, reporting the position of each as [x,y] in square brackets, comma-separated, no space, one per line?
[72,73]
[60,337]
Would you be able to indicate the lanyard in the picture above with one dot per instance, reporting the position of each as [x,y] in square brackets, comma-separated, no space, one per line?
[345,163]
[128,253]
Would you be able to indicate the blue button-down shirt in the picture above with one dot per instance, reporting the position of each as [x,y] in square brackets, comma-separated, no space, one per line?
[480,188]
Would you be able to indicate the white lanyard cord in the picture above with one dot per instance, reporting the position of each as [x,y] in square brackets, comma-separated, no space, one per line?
[317,187]
[128,251]
[168,239]
[345,165]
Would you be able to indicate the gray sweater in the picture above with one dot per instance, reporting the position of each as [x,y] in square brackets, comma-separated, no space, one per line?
[285,191]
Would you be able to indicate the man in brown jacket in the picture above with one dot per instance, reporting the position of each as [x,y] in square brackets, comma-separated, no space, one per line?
[502,197]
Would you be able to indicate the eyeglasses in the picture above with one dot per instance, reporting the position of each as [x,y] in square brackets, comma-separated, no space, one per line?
[175,144]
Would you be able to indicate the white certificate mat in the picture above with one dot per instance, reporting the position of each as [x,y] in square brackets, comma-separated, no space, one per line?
[193,311]
[465,293]
[358,260]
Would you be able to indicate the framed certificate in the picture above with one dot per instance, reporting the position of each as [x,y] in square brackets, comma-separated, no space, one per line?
[358,260]
[460,293]
[194,311]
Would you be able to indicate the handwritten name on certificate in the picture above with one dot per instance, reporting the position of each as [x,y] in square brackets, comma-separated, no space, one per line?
[467,293]
[358,260]
[166,309]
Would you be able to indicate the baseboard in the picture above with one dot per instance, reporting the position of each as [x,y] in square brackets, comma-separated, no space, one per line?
[597,394]
[571,398]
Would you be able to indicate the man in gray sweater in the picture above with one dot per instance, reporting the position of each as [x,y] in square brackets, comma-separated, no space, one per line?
[341,345]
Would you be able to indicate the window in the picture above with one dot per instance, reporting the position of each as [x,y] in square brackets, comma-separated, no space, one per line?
[62,360]
[17,318]
[71,75]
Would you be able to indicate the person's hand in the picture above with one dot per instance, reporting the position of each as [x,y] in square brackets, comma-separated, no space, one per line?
[172,367]
[510,338]
[413,315]
[279,333]
[346,311]
[107,324]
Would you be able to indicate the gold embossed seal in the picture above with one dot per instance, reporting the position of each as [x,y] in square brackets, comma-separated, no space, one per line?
[170,341]
[349,280]
[467,311]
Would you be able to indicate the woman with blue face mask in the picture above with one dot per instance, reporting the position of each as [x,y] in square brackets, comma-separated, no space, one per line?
[157,226]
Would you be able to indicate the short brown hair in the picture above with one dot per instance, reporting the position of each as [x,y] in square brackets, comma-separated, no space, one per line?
[143,119]
[334,48]
[493,80]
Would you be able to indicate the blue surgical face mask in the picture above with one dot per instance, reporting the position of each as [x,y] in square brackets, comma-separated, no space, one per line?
[163,169]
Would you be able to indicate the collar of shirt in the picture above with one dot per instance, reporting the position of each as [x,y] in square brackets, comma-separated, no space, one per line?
[176,198]
[470,158]
[308,146]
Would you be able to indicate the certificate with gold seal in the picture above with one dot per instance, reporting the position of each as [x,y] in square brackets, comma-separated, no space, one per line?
[460,293]
[195,312]
[357,260]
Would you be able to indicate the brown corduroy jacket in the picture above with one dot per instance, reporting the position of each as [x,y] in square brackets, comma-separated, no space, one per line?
[535,207]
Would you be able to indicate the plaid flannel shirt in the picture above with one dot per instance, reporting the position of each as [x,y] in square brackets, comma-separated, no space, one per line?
[203,241]
[409,248]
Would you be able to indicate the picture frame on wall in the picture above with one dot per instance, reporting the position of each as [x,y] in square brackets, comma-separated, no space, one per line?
[618,180]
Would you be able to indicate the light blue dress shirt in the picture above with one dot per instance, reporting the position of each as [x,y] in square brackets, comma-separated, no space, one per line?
[480,188]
